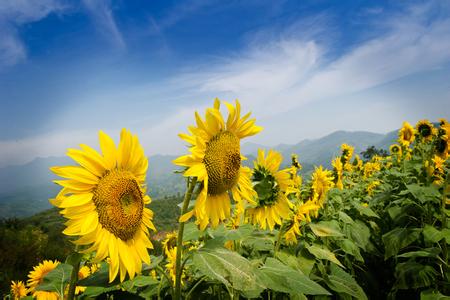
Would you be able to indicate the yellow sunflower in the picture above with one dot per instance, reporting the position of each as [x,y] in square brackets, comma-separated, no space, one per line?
[339,171]
[18,289]
[370,168]
[169,241]
[406,134]
[301,214]
[271,185]
[371,186]
[215,160]
[104,199]
[425,130]
[36,276]
[322,182]
[395,150]
[83,273]
[357,163]
[171,264]
[442,143]
[347,153]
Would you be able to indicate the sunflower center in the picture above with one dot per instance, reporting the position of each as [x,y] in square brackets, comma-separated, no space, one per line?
[266,186]
[119,203]
[395,149]
[424,130]
[223,161]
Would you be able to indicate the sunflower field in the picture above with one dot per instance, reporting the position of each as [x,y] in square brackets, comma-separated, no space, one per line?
[366,229]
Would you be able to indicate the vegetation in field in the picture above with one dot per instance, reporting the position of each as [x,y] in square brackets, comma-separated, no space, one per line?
[373,227]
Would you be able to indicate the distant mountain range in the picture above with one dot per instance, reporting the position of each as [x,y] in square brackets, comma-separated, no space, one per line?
[25,189]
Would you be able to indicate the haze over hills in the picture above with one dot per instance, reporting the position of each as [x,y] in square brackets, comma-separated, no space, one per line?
[25,189]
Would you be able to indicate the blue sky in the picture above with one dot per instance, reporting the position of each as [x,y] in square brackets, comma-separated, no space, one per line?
[304,68]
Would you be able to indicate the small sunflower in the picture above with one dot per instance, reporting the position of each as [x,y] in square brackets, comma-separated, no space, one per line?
[442,142]
[438,170]
[425,130]
[338,169]
[370,168]
[171,265]
[322,182]
[406,134]
[357,163]
[347,153]
[395,149]
[215,160]
[36,277]
[370,188]
[104,199]
[301,214]
[83,273]
[169,241]
[271,185]
[18,289]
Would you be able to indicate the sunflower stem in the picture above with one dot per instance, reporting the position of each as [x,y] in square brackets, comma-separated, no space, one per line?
[280,236]
[178,270]
[73,279]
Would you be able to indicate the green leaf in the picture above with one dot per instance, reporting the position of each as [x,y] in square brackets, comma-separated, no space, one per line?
[94,291]
[432,295]
[56,279]
[424,193]
[397,239]
[263,243]
[326,228]
[412,275]
[279,277]
[350,248]
[359,233]
[139,281]
[323,253]
[431,252]
[345,218]
[228,267]
[342,282]
[191,232]
[366,211]
[431,234]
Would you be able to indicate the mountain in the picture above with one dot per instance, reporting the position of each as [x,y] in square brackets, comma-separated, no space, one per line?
[25,189]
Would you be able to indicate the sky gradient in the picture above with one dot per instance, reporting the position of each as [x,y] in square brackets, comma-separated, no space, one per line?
[304,68]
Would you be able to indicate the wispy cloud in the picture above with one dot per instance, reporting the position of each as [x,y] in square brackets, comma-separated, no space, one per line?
[295,71]
[103,16]
[15,13]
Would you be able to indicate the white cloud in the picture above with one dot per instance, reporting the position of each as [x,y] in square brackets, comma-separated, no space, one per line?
[103,15]
[15,13]
[275,77]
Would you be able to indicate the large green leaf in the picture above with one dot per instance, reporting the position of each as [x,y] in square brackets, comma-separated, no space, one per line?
[359,233]
[326,228]
[432,295]
[424,193]
[342,282]
[351,248]
[323,253]
[399,238]
[412,275]
[279,277]
[228,267]
[94,291]
[57,279]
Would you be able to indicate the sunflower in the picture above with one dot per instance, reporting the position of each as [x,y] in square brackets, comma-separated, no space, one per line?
[370,168]
[169,241]
[18,289]
[425,130]
[215,160]
[37,276]
[301,214]
[84,272]
[357,163]
[172,263]
[395,149]
[104,199]
[347,153]
[322,181]
[406,134]
[271,185]
[442,142]
[438,170]
[370,188]
[339,172]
